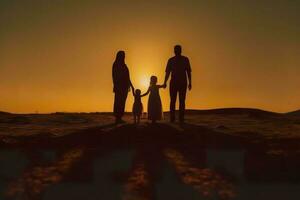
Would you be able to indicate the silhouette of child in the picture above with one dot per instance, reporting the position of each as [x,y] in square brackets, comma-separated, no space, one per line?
[137,108]
[154,101]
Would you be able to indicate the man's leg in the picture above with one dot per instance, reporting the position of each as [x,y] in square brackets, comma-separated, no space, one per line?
[138,119]
[182,96]
[173,96]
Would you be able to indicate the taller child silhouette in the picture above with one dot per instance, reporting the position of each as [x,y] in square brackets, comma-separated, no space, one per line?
[179,68]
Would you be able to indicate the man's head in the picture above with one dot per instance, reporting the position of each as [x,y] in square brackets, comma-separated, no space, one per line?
[177,50]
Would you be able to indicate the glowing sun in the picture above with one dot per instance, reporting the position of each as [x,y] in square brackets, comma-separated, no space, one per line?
[144,82]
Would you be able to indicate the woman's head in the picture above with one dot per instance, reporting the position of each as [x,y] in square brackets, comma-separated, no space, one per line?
[120,57]
[153,80]
[138,92]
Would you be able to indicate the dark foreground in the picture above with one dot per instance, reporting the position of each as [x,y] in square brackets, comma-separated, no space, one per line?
[144,162]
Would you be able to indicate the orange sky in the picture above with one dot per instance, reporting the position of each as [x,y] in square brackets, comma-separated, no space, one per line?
[57,56]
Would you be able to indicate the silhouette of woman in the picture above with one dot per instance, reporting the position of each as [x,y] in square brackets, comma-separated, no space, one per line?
[122,83]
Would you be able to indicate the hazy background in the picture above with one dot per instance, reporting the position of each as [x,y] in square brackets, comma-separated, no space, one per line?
[57,55]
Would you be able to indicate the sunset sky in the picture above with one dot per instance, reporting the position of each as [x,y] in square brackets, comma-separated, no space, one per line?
[57,55]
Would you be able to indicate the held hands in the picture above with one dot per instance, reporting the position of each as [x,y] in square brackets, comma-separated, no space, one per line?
[164,85]
[190,86]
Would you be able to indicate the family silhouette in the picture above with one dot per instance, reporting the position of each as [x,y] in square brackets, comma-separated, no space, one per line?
[178,67]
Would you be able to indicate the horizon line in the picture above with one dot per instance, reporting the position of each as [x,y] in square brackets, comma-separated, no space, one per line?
[127,112]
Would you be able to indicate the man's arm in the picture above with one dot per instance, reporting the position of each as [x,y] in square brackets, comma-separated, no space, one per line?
[168,71]
[114,77]
[166,78]
[190,79]
[189,74]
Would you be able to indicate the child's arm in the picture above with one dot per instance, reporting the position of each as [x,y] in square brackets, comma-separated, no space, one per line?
[161,86]
[146,93]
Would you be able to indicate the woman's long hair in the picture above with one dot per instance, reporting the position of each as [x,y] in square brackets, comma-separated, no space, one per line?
[120,58]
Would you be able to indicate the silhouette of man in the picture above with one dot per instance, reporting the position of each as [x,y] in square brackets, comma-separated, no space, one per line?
[179,68]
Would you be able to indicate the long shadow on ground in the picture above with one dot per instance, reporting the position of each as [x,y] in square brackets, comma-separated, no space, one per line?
[141,162]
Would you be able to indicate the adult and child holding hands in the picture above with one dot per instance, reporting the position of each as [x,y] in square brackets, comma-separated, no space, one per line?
[178,67]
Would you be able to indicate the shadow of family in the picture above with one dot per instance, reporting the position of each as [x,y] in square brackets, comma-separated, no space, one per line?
[178,67]
[144,162]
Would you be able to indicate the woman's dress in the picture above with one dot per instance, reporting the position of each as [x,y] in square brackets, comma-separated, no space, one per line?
[121,84]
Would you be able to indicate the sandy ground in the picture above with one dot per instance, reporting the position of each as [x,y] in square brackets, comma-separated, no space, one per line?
[57,124]
[238,122]
[218,154]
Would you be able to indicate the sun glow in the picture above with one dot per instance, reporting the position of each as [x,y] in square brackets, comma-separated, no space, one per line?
[141,80]
[144,82]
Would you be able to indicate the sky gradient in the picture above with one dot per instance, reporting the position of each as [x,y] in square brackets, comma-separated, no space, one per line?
[57,55]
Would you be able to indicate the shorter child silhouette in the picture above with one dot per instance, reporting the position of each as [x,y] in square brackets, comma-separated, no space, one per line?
[137,108]
[154,101]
